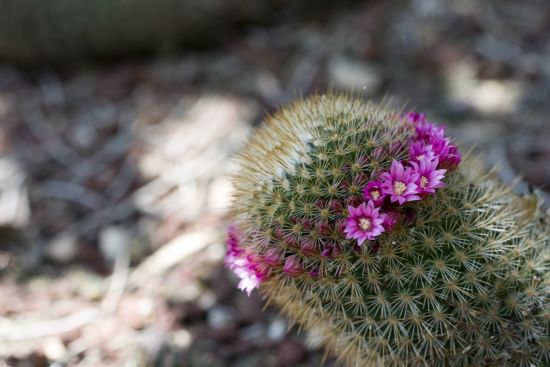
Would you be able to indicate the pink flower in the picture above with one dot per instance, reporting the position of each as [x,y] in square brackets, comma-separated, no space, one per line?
[400,183]
[293,266]
[273,256]
[256,263]
[249,270]
[424,129]
[233,241]
[249,267]
[451,159]
[415,117]
[448,154]
[308,248]
[419,150]
[428,131]
[249,279]
[429,177]
[391,218]
[331,250]
[364,222]
[373,191]
[440,146]
[432,137]
[314,273]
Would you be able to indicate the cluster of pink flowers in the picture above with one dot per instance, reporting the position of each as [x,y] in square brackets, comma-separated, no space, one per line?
[253,268]
[248,266]
[431,155]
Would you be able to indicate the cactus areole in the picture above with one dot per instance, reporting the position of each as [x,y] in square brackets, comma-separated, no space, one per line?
[367,226]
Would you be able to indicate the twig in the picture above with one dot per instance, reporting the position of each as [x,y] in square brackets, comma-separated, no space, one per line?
[50,140]
[71,192]
[107,215]
[12,331]
[118,282]
[173,253]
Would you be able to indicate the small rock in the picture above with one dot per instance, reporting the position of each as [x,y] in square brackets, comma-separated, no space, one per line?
[152,342]
[136,312]
[114,242]
[181,339]
[54,349]
[268,85]
[485,96]
[206,299]
[254,333]
[88,285]
[83,135]
[353,75]
[495,96]
[145,306]
[62,248]
[277,330]
[220,317]
[189,291]
[291,353]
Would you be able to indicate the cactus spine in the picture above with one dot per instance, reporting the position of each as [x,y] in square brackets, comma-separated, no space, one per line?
[463,280]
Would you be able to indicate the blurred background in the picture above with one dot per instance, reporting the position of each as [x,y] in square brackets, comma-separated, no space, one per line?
[118,120]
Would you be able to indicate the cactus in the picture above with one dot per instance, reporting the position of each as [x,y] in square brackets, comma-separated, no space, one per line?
[456,274]
[62,32]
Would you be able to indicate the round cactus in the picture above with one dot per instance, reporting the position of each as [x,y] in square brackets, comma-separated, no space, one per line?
[365,225]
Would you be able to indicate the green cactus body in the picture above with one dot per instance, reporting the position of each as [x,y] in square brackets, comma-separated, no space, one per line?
[463,282]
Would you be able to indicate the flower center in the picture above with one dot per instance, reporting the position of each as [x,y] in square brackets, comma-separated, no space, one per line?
[420,157]
[375,194]
[423,181]
[399,187]
[364,224]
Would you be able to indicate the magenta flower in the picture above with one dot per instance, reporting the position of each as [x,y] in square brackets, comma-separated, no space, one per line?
[428,131]
[249,270]
[373,191]
[424,129]
[257,264]
[429,177]
[431,136]
[364,222]
[314,273]
[440,146]
[273,256]
[448,154]
[249,278]
[415,117]
[451,159]
[391,219]
[234,251]
[293,266]
[233,241]
[331,250]
[308,248]
[400,183]
[249,267]
[419,150]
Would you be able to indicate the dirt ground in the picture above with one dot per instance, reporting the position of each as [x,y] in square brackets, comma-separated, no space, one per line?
[114,179]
